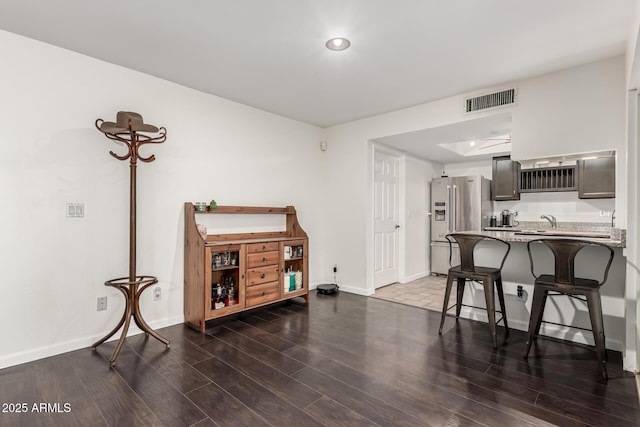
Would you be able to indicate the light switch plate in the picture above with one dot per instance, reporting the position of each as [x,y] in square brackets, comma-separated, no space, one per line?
[75,210]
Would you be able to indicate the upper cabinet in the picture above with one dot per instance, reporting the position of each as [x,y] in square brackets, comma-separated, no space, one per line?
[504,179]
[597,178]
[593,178]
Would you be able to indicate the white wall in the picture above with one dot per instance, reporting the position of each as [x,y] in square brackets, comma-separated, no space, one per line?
[53,267]
[469,168]
[632,291]
[566,206]
[577,110]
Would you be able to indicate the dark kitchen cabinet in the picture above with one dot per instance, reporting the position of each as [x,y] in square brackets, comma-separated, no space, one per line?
[504,179]
[597,178]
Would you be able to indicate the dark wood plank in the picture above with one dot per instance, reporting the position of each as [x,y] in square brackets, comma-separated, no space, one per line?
[276,381]
[471,401]
[261,352]
[263,337]
[331,413]
[225,409]
[423,409]
[262,401]
[20,386]
[171,364]
[119,404]
[382,412]
[170,406]
[571,385]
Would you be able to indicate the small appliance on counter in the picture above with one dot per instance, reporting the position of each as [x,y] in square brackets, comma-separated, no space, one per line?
[506,218]
[509,218]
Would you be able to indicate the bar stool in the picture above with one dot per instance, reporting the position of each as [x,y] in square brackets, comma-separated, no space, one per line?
[468,271]
[564,282]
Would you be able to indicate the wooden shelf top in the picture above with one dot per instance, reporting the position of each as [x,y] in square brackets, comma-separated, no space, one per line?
[250,240]
[288,210]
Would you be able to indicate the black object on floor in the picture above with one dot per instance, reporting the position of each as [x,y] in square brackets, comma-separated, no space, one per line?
[327,288]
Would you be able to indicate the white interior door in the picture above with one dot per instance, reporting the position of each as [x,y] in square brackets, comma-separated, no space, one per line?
[385,198]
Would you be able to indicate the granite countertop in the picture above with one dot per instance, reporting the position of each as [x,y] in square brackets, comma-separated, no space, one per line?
[531,230]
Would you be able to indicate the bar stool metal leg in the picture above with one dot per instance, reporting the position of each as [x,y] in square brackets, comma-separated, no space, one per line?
[535,319]
[489,297]
[597,325]
[445,304]
[462,282]
[503,307]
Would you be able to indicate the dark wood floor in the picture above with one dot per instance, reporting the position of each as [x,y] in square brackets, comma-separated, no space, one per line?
[340,361]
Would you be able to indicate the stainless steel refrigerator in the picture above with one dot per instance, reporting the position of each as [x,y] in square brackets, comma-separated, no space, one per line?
[458,204]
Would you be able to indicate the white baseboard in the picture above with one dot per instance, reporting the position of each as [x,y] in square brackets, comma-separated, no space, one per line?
[349,289]
[76,344]
[548,329]
[411,278]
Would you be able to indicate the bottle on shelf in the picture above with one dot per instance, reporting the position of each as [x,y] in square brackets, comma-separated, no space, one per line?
[219,298]
[231,296]
[214,296]
[217,260]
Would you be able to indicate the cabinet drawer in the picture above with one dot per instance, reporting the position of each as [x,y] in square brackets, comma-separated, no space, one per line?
[262,247]
[259,259]
[262,293]
[258,275]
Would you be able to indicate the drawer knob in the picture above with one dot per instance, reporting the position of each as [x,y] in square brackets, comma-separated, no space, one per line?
[262,276]
[264,259]
[263,293]
[264,247]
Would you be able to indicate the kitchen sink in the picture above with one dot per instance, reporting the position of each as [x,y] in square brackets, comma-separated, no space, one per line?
[563,233]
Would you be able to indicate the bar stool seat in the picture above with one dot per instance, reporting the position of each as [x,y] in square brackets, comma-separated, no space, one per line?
[564,282]
[467,271]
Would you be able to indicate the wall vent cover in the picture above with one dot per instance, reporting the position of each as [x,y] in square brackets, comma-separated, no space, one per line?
[493,100]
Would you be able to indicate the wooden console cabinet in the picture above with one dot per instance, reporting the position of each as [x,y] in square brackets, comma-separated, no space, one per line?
[249,268]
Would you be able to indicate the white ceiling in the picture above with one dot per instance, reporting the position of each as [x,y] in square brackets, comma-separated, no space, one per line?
[430,143]
[270,54]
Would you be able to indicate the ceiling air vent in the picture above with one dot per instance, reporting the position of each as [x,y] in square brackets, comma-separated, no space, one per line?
[503,98]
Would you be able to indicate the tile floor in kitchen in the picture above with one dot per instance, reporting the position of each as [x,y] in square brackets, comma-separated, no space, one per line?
[427,292]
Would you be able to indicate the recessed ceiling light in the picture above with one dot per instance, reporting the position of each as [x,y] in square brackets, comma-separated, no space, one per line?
[337,43]
[472,143]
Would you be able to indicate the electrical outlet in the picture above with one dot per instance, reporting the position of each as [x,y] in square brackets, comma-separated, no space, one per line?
[157,293]
[102,303]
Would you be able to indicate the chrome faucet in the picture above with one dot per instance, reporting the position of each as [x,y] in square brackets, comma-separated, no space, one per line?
[551,219]
[613,218]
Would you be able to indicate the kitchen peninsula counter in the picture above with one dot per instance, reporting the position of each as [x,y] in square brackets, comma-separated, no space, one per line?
[526,231]
[516,274]
[513,236]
